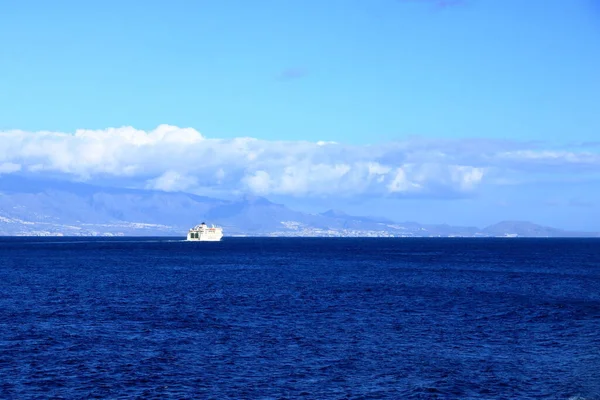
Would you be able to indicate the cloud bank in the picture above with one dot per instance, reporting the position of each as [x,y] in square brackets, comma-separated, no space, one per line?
[170,158]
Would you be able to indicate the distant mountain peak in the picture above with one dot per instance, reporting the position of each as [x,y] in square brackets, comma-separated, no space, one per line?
[513,224]
[529,229]
[255,200]
[334,213]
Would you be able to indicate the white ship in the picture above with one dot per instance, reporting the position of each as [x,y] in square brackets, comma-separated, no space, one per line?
[204,233]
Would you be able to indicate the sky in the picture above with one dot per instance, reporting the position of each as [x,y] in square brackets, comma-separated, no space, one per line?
[441,111]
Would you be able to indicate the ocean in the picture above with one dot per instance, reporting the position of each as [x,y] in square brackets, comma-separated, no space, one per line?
[313,318]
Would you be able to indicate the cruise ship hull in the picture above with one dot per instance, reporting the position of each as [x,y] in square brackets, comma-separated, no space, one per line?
[202,233]
[204,238]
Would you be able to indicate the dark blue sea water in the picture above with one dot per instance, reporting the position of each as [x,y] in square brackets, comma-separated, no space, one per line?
[268,318]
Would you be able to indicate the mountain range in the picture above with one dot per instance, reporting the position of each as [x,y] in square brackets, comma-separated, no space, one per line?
[49,207]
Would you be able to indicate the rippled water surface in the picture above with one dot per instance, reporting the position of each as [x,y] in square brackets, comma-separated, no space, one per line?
[300,318]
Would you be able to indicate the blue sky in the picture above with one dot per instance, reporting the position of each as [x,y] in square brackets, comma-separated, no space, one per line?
[357,71]
[518,75]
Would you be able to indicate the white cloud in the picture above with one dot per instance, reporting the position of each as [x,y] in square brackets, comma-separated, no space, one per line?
[550,156]
[466,177]
[401,184]
[172,181]
[181,159]
[259,182]
[9,167]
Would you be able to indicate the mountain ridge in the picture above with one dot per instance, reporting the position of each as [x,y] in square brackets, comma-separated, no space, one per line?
[30,207]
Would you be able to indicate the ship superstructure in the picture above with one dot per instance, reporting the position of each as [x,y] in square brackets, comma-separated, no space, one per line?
[203,232]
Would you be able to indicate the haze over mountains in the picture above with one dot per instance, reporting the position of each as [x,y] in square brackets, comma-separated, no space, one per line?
[45,207]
